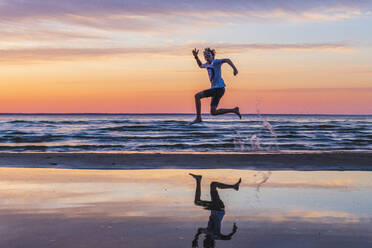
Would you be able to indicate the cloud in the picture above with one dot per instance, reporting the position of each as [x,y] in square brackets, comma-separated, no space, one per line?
[309,216]
[332,184]
[299,46]
[156,15]
[50,54]
[45,34]
[10,9]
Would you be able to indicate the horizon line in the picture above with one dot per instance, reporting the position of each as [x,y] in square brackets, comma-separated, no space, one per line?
[108,113]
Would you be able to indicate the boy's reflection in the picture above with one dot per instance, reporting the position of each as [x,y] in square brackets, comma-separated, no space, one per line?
[213,230]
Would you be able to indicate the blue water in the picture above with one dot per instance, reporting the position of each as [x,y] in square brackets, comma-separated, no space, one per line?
[171,133]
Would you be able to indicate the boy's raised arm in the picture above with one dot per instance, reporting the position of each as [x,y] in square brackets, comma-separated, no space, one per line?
[231,64]
[195,53]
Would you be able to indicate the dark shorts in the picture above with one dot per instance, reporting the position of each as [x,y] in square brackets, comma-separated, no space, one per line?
[216,203]
[215,93]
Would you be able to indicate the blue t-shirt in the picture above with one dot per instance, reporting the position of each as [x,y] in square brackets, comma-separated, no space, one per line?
[214,72]
[214,223]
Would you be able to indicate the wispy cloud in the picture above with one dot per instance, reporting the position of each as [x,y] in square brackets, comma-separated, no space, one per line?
[45,34]
[50,54]
[299,46]
[332,184]
[13,9]
[309,216]
[167,15]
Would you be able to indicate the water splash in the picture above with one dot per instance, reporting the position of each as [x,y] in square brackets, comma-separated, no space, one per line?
[242,142]
[268,126]
[255,143]
[239,141]
[264,178]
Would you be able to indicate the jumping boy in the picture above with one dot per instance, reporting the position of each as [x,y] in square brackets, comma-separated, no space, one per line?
[217,84]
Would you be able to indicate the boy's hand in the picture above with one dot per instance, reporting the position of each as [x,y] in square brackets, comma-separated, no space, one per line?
[235,72]
[195,52]
[235,228]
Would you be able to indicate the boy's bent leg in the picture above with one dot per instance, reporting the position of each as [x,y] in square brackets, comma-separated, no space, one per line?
[215,111]
[216,97]
[215,185]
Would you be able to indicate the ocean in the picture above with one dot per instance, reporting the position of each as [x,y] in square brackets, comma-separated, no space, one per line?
[171,133]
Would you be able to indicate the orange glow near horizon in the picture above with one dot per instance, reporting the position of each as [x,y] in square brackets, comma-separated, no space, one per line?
[168,84]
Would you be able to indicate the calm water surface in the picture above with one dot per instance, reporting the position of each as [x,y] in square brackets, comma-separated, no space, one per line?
[82,208]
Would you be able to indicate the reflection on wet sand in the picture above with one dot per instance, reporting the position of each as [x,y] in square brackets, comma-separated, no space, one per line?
[217,208]
[91,208]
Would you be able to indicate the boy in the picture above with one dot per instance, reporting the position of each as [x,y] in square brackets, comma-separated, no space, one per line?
[217,84]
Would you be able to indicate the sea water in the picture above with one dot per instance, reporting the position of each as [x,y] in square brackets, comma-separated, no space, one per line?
[172,133]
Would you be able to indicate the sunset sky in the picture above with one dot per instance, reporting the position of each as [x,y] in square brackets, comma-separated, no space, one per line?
[120,56]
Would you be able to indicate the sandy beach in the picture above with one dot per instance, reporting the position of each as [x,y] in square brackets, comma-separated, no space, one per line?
[260,161]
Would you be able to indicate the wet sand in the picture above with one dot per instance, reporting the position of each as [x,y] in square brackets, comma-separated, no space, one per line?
[317,161]
[43,207]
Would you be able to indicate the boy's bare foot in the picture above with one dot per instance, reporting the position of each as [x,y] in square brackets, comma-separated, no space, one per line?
[236,186]
[197,177]
[197,120]
[237,112]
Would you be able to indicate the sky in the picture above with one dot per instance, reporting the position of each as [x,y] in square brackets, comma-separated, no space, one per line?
[120,56]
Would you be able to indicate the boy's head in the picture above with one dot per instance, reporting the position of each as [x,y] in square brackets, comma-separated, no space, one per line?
[209,54]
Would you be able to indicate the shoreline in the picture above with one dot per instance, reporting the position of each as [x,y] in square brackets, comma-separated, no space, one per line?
[301,161]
